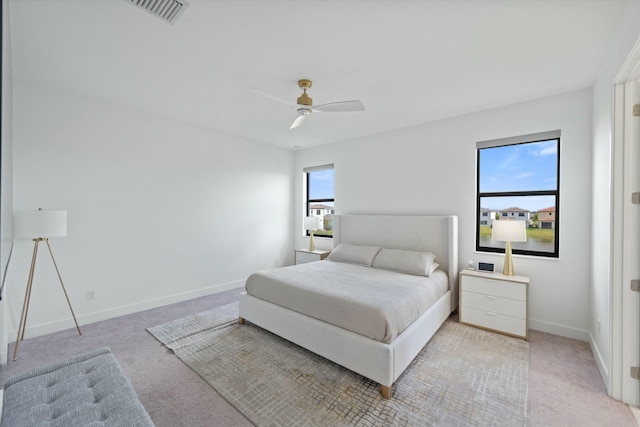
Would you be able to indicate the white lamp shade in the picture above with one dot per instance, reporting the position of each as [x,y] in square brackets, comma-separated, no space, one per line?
[312,223]
[509,231]
[40,223]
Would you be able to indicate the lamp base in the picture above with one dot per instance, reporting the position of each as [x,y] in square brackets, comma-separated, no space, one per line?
[507,270]
[312,246]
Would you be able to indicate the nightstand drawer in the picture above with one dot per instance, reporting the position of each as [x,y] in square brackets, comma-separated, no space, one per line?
[502,288]
[498,322]
[495,304]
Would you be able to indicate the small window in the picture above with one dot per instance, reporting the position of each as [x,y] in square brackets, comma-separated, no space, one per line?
[519,180]
[319,197]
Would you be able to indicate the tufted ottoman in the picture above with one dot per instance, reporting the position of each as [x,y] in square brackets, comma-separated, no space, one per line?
[86,390]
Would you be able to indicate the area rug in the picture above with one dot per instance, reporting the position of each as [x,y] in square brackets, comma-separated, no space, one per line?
[464,376]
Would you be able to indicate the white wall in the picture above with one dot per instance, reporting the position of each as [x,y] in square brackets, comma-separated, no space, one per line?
[158,211]
[430,169]
[606,258]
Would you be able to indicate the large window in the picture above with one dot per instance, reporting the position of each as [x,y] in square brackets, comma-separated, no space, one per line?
[320,201]
[519,180]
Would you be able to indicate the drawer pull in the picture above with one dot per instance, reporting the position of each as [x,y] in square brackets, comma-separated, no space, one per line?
[490,313]
[491,296]
[491,280]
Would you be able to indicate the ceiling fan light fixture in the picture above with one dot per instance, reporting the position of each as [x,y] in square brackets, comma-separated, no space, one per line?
[304,106]
[304,99]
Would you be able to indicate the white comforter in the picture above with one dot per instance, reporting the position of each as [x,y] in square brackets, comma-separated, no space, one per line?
[376,303]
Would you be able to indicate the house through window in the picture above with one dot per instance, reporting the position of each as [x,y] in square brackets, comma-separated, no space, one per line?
[319,197]
[519,180]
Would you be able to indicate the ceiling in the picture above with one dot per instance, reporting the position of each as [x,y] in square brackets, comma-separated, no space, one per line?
[409,62]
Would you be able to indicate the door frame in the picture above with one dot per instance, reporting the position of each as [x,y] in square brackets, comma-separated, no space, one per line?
[624,305]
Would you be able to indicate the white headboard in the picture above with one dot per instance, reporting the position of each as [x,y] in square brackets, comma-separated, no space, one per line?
[437,234]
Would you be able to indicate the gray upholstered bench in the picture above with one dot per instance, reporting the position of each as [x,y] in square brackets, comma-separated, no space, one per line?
[86,390]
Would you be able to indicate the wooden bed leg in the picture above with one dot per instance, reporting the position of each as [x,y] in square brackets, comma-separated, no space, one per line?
[385,391]
[241,320]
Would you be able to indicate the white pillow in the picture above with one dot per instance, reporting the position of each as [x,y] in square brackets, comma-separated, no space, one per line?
[354,254]
[410,262]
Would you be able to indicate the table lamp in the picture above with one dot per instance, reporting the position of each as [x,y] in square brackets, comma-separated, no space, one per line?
[39,225]
[508,231]
[312,223]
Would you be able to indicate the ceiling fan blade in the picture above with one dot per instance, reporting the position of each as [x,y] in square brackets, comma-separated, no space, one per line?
[298,121]
[275,98]
[340,106]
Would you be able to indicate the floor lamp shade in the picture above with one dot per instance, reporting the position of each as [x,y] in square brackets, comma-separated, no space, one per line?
[508,231]
[39,224]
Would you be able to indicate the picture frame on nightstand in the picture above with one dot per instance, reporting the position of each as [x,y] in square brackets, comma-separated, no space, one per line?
[486,266]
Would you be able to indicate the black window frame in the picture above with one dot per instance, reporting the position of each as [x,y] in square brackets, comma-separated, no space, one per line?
[309,201]
[524,139]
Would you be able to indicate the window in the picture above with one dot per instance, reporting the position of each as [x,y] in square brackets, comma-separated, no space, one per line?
[519,180]
[319,196]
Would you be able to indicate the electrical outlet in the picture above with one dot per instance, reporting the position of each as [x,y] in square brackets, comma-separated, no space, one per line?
[91,294]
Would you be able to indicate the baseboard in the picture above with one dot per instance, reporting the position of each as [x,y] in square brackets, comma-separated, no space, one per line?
[61,325]
[636,413]
[602,367]
[561,330]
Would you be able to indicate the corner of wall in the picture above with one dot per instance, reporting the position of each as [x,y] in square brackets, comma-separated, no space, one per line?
[602,366]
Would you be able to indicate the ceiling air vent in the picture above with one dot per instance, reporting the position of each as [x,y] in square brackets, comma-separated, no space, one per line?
[167,10]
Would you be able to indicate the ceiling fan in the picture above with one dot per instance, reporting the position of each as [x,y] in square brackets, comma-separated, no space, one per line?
[304,104]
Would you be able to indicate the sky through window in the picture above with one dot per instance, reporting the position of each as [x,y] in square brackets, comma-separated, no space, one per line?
[519,168]
[321,184]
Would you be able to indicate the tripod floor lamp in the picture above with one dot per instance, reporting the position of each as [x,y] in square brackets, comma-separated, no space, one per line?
[39,225]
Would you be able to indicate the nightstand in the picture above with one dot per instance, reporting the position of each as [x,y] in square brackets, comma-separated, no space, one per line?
[305,255]
[495,302]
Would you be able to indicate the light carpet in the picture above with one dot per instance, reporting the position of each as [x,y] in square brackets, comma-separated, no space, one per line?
[464,376]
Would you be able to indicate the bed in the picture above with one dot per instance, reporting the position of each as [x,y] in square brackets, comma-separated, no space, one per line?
[381,359]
